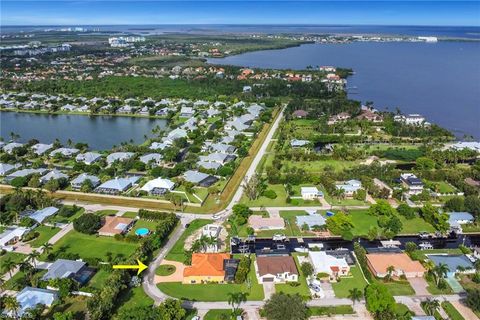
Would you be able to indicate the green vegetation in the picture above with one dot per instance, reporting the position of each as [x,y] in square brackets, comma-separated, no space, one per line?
[355,280]
[98,281]
[106,212]
[177,253]
[45,233]
[133,298]
[216,314]
[165,270]
[451,311]
[399,288]
[10,256]
[327,311]
[300,288]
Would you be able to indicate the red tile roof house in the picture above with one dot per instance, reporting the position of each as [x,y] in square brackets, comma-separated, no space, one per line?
[276,269]
[378,263]
[299,114]
[261,223]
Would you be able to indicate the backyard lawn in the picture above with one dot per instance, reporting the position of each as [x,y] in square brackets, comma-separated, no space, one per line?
[45,234]
[213,292]
[415,225]
[92,246]
[75,304]
[141,223]
[99,279]
[132,298]
[177,252]
[345,284]
[302,289]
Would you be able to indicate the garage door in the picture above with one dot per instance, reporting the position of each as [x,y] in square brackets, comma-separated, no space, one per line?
[267,279]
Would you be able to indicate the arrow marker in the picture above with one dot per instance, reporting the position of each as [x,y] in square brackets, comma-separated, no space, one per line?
[140,266]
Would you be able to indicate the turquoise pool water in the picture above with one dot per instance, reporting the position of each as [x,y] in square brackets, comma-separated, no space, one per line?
[142,232]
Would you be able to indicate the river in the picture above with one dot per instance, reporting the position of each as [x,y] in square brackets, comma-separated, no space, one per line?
[439,80]
[100,132]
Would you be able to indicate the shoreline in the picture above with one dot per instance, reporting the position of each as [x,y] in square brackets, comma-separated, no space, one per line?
[84,114]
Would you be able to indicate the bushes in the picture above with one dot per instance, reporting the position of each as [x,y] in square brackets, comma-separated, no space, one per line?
[152,215]
[361,255]
[87,223]
[406,211]
[67,211]
[270,194]
[242,270]
[31,235]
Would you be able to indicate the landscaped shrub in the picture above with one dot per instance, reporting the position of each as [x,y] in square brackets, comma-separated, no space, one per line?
[361,255]
[87,223]
[270,194]
[242,270]
[294,284]
[31,235]
[67,211]
[152,215]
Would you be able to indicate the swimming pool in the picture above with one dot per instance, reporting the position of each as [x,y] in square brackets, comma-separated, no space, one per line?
[142,232]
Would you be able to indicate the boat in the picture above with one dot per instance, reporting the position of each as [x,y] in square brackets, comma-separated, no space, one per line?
[425,246]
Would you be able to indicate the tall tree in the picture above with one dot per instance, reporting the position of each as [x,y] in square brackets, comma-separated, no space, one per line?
[283,306]
[355,294]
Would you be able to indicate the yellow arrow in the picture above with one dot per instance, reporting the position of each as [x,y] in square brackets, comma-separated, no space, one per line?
[140,266]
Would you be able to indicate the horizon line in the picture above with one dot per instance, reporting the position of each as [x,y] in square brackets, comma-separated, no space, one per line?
[236,24]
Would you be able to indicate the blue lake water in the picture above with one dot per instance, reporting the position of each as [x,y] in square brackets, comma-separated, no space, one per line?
[100,132]
[439,80]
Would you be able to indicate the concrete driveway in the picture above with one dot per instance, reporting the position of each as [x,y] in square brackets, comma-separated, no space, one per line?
[268,289]
[420,286]
[177,276]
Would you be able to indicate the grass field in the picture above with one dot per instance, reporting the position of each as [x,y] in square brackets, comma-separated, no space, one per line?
[345,284]
[75,304]
[451,311]
[106,212]
[130,214]
[59,219]
[362,222]
[215,314]
[302,289]
[331,310]
[177,252]
[132,298]
[98,281]
[45,234]
[165,270]
[91,246]
[213,292]
[399,288]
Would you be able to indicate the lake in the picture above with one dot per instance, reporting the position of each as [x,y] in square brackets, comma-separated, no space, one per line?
[100,132]
[439,80]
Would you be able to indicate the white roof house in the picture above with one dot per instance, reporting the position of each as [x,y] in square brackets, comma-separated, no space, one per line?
[25,173]
[119,156]
[209,165]
[8,148]
[158,146]
[350,187]
[324,263]
[88,157]
[6,168]
[42,214]
[158,183]
[471,145]
[295,143]
[12,235]
[151,157]
[220,158]
[30,297]
[41,148]
[67,152]
[54,174]
[310,193]
[116,185]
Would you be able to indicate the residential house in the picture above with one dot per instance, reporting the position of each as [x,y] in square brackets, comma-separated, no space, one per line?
[24,173]
[42,214]
[369,115]
[349,187]
[41,148]
[158,146]
[206,267]
[62,268]
[53,175]
[312,220]
[216,157]
[114,186]
[174,135]
[8,148]
[6,168]
[413,184]
[295,143]
[30,297]
[222,148]
[199,178]
[119,156]
[88,157]
[151,158]
[115,225]
[11,235]
[378,264]
[66,152]
[187,112]
[457,219]
[276,269]
[300,114]
[328,264]
[456,263]
[78,182]
[341,117]
[310,193]
[411,119]
[269,223]
[158,186]
[209,165]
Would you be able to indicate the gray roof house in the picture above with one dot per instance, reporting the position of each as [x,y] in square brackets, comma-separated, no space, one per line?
[6,168]
[117,185]
[220,158]
[311,220]
[41,148]
[120,156]
[187,112]
[8,148]
[158,146]
[151,158]
[30,297]
[88,157]
[255,109]
[66,152]
[42,214]
[24,173]
[223,148]
[237,125]
[200,178]
[209,165]
[54,174]
[78,181]
[63,269]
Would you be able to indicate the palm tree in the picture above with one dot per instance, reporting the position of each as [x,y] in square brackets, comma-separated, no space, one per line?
[355,294]
[47,247]
[9,265]
[441,271]
[27,269]
[390,271]
[431,305]
[235,299]
[12,305]
[32,257]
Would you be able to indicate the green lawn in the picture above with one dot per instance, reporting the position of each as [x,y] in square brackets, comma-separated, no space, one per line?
[130,214]
[165,270]
[106,212]
[401,309]
[132,298]
[399,288]
[415,225]
[302,289]
[451,311]
[345,284]
[215,314]
[141,223]
[177,252]
[75,304]
[59,219]
[433,289]
[327,311]
[362,222]
[16,257]
[98,281]
[92,246]
[45,234]
[213,292]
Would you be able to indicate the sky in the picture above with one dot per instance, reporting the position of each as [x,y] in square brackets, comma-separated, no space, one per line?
[95,12]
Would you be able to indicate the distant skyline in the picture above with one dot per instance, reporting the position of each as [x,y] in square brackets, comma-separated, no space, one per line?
[427,13]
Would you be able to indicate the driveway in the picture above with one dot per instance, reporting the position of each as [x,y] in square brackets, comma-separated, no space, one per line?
[177,276]
[268,289]
[420,286]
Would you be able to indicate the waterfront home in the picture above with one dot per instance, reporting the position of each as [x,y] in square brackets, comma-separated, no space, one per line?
[370,115]
[413,184]
[30,297]
[41,148]
[24,173]
[341,117]
[462,145]
[88,157]
[6,168]
[349,187]
[83,108]
[295,143]
[206,267]
[53,175]
[42,214]
[11,235]
[62,268]
[457,219]
[276,269]
[383,186]
[411,119]
[187,112]
[310,193]
[144,111]
[300,114]
[255,110]
[378,263]
[8,148]
[115,225]
[265,223]
[456,263]
[79,181]
[151,158]
[212,112]
[158,146]
[66,152]
[158,186]
[174,135]
[114,186]
[126,110]
[199,178]
[328,264]
[310,221]
[68,107]
[119,156]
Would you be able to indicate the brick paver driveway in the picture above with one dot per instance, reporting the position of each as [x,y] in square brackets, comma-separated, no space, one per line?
[420,286]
